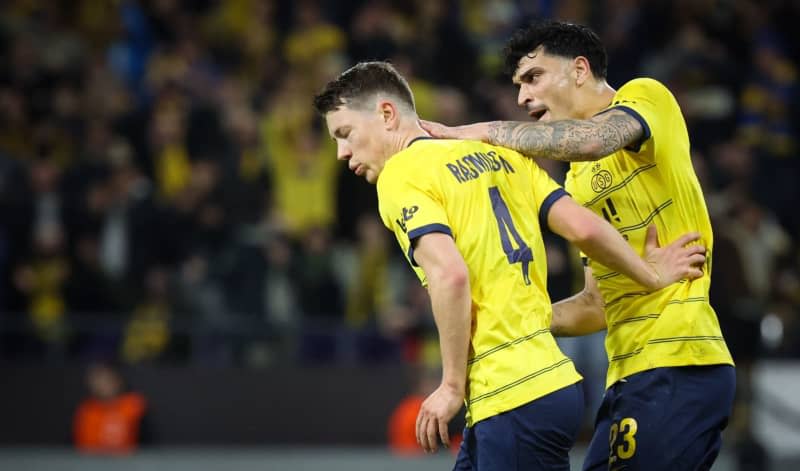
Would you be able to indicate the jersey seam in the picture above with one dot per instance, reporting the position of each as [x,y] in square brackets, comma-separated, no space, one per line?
[645,127]
[520,381]
[648,219]
[421,231]
[505,345]
[548,203]
[625,356]
[643,317]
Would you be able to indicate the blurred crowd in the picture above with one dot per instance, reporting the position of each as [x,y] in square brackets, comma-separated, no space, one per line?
[168,195]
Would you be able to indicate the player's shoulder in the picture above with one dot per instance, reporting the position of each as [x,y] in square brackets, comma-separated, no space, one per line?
[435,149]
[425,148]
[423,157]
[643,87]
[412,164]
[645,82]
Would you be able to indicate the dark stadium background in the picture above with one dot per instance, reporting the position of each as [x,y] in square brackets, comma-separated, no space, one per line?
[169,204]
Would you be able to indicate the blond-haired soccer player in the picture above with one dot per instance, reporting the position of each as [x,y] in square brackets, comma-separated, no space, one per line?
[670,381]
[468,216]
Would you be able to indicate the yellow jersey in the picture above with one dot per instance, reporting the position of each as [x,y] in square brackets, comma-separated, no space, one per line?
[490,200]
[652,182]
[304,176]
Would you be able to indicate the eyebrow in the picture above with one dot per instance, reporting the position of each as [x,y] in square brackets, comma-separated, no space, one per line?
[527,74]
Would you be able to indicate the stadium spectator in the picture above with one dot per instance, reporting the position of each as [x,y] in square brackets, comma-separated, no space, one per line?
[109,420]
[42,280]
[155,135]
[147,333]
[403,420]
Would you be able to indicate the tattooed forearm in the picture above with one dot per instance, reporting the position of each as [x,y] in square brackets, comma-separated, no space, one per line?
[569,140]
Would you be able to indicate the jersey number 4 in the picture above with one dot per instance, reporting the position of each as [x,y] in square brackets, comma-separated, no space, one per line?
[522,254]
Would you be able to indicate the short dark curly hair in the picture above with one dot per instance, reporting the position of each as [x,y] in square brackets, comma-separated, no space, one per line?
[360,82]
[558,38]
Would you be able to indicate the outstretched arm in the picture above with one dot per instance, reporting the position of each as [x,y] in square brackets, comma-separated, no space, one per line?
[566,140]
[448,285]
[581,314]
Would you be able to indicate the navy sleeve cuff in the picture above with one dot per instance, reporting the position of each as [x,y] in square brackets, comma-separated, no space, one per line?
[635,114]
[544,209]
[421,231]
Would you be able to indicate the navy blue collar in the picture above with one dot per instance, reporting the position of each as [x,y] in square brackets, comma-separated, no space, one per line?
[418,139]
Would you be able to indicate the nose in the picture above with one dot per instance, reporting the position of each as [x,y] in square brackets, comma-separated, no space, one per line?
[523,97]
[343,151]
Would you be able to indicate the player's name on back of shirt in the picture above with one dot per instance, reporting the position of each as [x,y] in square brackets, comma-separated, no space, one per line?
[472,166]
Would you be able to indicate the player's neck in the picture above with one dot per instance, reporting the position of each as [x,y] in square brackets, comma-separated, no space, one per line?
[407,135]
[595,98]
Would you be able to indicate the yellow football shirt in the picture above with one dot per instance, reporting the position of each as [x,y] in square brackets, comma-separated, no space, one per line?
[490,200]
[304,176]
[652,182]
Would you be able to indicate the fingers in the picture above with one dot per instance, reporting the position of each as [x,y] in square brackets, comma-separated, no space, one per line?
[697,259]
[441,131]
[422,431]
[695,249]
[696,263]
[432,433]
[589,281]
[651,240]
[432,419]
[693,273]
[443,433]
[432,128]
[426,431]
[686,239]
[430,430]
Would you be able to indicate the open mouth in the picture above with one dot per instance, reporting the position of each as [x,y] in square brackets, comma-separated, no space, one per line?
[537,114]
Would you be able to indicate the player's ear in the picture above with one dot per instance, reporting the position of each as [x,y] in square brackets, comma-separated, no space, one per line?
[582,70]
[389,114]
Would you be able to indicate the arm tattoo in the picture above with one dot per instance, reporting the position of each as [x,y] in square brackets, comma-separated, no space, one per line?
[570,139]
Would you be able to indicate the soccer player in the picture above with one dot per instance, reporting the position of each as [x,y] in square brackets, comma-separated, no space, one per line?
[468,217]
[670,381]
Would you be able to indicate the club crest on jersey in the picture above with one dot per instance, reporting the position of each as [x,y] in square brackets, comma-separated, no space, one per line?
[408,213]
[601,180]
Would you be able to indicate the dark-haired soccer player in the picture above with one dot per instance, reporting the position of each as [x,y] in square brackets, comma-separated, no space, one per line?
[670,381]
[468,216]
